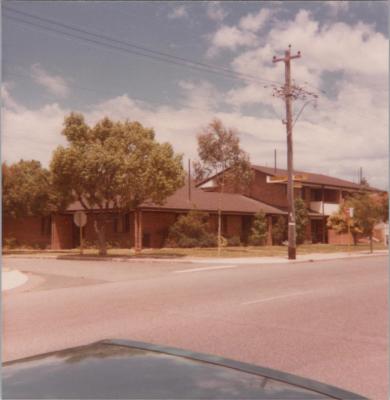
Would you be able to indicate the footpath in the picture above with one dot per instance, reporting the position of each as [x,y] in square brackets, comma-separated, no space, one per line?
[13,278]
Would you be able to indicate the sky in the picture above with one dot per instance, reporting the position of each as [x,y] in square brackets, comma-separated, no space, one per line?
[129,60]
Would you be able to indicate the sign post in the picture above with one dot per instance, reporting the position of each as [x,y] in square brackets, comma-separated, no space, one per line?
[349,213]
[80,219]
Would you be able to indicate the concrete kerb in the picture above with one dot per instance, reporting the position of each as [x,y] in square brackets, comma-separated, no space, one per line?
[231,260]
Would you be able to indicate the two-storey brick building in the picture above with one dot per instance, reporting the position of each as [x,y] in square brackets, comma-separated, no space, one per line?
[322,195]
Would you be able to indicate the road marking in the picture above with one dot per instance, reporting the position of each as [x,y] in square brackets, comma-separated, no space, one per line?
[205,269]
[275,298]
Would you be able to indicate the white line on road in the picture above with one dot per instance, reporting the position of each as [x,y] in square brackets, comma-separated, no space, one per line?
[205,269]
[275,298]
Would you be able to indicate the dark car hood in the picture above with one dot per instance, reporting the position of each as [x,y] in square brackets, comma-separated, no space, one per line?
[119,369]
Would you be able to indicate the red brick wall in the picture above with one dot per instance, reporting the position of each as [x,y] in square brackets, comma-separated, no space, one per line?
[156,225]
[271,193]
[62,232]
[115,238]
[27,231]
[339,238]
[234,223]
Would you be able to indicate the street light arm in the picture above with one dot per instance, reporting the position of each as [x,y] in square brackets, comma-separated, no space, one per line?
[300,111]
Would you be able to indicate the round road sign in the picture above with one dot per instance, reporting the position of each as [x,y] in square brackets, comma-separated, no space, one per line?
[80,218]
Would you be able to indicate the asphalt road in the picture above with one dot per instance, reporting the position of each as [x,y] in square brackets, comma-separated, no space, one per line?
[323,320]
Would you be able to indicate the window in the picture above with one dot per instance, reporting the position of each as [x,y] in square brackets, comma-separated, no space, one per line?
[121,223]
[316,195]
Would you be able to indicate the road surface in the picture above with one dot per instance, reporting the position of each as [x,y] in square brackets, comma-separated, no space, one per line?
[324,320]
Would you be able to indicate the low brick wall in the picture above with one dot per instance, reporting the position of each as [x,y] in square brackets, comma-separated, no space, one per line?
[339,238]
[27,231]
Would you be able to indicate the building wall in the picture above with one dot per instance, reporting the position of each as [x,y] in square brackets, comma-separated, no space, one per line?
[339,238]
[271,193]
[62,232]
[27,231]
[156,227]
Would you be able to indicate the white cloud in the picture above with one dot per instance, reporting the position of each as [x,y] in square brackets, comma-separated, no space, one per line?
[336,7]
[31,134]
[201,95]
[335,141]
[178,12]
[53,83]
[231,37]
[7,99]
[215,11]
[346,131]
[255,22]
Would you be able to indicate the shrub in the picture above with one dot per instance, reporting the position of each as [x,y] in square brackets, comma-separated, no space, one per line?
[301,219]
[11,243]
[258,234]
[279,231]
[191,231]
[113,244]
[234,241]
[39,246]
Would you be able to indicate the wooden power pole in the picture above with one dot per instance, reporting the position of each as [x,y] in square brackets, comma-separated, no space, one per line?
[287,94]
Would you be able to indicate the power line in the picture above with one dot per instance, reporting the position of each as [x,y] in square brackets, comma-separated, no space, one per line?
[110,93]
[154,54]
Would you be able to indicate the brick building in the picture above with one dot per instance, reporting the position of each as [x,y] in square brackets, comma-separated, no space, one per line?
[322,195]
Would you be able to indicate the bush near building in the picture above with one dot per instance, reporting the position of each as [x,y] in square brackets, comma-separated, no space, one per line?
[191,230]
[279,231]
[301,220]
[258,236]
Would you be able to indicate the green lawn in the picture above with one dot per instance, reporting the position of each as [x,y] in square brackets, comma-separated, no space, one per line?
[262,251]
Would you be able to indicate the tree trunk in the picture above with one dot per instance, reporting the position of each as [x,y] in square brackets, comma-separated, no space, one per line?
[220,212]
[219,229]
[371,244]
[137,231]
[100,229]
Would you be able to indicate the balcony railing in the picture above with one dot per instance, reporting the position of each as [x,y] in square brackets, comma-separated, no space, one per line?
[323,207]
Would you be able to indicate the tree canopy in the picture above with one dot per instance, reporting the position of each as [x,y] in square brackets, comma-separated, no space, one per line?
[114,165]
[221,156]
[26,189]
[367,212]
[220,153]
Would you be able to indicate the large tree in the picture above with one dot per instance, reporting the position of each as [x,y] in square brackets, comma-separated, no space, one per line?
[366,214]
[221,156]
[26,189]
[114,165]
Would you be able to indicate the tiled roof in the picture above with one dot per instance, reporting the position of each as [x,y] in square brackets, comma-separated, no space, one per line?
[209,201]
[317,179]
[204,201]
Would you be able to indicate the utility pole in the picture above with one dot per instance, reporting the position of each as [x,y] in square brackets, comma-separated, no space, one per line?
[275,161]
[288,95]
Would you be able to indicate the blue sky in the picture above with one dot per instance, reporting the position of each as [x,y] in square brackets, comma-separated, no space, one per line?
[344,46]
